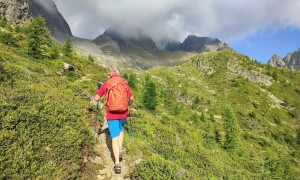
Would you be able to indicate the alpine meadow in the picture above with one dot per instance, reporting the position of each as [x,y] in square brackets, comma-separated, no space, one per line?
[217,115]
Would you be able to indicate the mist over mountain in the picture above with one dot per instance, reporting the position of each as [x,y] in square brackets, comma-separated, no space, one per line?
[197,44]
[134,46]
[141,41]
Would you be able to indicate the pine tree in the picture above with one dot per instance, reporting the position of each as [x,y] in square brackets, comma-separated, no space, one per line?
[232,134]
[218,137]
[202,117]
[149,96]
[132,81]
[196,102]
[39,39]
[8,38]
[208,136]
[67,47]
[90,58]
[212,118]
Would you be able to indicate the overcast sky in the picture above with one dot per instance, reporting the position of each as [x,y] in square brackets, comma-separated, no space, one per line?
[237,22]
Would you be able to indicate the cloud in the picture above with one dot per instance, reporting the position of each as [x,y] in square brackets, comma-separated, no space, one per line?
[175,19]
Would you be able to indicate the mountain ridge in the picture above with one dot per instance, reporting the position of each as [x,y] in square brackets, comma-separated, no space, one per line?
[291,60]
[139,53]
[197,44]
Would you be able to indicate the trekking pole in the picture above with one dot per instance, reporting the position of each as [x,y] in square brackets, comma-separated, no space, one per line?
[131,131]
[97,112]
[96,121]
[131,128]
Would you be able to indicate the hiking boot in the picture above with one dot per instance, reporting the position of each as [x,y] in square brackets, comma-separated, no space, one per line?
[117,169]
[120,158]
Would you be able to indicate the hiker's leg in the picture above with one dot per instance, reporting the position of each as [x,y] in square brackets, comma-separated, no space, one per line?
[121,137]
[116,149]
[113,126]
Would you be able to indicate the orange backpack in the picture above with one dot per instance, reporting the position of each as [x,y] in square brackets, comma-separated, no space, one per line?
[116,94]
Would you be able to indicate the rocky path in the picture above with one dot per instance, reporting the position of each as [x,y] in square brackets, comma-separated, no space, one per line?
[103,148]
[104,161]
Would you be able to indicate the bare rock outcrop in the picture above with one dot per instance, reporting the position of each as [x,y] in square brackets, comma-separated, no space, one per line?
[16,11]
[254,75]
[291,61]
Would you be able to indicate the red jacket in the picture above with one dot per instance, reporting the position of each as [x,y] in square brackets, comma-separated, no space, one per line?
[109,115]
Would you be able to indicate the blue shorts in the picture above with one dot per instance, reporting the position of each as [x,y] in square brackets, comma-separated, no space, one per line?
[115,127]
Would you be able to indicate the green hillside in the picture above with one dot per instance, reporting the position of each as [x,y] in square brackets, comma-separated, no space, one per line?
[212,122]
[45,111]
[220,115]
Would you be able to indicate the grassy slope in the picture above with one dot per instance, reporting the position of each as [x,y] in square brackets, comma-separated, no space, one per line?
[172,140]
[45,119]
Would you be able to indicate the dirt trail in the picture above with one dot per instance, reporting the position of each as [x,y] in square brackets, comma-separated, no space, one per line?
[103,162]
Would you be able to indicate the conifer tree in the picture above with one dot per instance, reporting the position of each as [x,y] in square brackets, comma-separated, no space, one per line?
[67,47]
[208,136]
[218,137]
[8,38]
[90,58]
[39,45]
[232,141]
[149,96]
[202,117]
[212,118]
[132,81]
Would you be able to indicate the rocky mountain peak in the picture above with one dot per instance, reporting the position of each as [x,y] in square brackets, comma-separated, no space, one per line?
[16,11]
[292,60]
[197,44]
[276,60]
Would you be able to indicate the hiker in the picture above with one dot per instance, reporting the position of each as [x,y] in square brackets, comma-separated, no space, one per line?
[116,111]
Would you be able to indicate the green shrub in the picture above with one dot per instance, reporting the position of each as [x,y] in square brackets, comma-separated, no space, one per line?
[232,132]
[274,76]
[252,115]
[208,136]
[149,96]
[8,38]
[43,133]
[39,45]
[277,120]
[255,104]
[90,58]
[202,117]
[297,90]
[294,114]
[212,118]
[67,47]
[132,81]
[3,22]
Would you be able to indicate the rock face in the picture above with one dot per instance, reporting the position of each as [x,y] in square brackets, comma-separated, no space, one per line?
[56,23]
[255,75]
[16,11]
[197,44]
[292,60]
[276,60]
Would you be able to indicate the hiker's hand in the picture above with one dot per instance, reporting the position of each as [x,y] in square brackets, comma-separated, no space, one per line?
[130,103]
[92,101]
